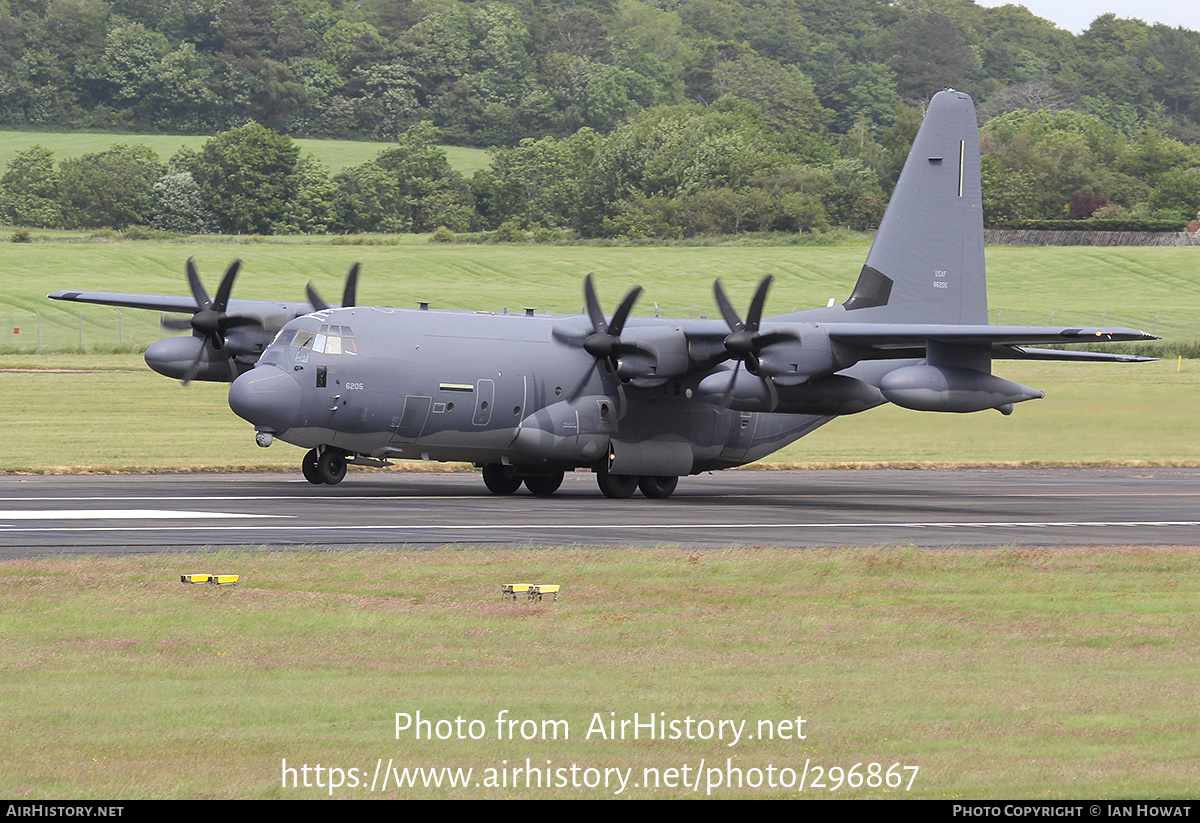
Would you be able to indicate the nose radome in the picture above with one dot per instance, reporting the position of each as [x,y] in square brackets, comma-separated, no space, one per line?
[267,397]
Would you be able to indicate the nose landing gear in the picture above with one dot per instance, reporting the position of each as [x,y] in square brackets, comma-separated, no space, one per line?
[327,465]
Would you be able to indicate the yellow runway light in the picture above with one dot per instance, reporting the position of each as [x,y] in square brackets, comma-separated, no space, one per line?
[538,591]
[513,589]
[194,578]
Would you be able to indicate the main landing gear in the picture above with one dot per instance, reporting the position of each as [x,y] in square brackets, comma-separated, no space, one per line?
[621,486]
[327,466]
[506,480]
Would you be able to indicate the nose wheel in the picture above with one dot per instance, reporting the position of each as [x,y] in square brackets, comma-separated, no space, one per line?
[327,466]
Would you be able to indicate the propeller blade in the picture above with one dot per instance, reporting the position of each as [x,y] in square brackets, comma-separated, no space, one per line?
[194,368]
[175,324]
[350,294]
[593,306]
[622,313]
[754,316]
[587,377]
[315,299]
[226,286]
[198,291]
[725,401]
[727,310]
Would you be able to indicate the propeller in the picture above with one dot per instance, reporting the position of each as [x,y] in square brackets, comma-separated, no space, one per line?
[745,342]
[604,341]
[210,322]
[349,294]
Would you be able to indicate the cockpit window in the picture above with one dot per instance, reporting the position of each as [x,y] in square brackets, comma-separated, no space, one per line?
[330,339]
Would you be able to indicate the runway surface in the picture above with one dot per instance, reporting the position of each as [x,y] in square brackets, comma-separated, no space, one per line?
[133,514]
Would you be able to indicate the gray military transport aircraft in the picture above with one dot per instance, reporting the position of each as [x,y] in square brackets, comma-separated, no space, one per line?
[639,401]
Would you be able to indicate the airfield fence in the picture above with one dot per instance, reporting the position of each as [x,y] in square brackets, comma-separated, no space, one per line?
[84,329]
[105,329]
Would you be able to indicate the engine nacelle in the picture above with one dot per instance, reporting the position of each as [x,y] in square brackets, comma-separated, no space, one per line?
[951,389]
[173,356]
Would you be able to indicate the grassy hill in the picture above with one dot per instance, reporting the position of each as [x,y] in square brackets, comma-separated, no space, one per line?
[337,154]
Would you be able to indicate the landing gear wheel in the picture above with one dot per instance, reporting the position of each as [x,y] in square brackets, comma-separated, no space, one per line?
[658,487]
[616,486]
[332,466]
[500,479]
[309,466]
[544,485]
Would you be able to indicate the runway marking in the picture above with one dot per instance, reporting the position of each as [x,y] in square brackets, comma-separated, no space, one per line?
[683,496]
[120,514]
[627,526]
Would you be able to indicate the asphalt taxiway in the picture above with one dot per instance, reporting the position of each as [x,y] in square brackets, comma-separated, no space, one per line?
[979,507]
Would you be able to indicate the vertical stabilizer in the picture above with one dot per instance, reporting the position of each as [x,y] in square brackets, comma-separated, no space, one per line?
[926,264]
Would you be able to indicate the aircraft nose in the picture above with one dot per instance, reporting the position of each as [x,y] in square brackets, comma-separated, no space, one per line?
[267,397]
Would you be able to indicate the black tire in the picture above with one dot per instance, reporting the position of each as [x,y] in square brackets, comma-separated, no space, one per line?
[500,479]
[309,466]
[616,486]
[332,466]
[544,485]
[658,487]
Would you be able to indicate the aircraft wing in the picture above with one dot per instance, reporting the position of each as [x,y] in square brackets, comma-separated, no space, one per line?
[260,309]
[152,302]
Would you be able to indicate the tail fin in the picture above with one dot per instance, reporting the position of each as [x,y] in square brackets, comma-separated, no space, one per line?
[926,264]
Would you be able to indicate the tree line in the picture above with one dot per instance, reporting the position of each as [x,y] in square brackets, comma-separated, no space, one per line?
[494,72]
[669,172]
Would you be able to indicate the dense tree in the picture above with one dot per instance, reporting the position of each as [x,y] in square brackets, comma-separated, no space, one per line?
[179,206]
[112,188]
[246,176]
[829,90]
[29,189]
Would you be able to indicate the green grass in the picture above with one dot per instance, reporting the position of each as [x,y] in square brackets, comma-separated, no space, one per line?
[337,154]
[1006,673]
[1149,288]
[110,412]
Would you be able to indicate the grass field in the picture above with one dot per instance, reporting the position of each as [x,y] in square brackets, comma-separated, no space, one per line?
[1151,288]
[1013,673]
[110,412]
[337,154]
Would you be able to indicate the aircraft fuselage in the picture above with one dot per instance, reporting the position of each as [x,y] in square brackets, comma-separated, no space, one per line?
[487,388]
